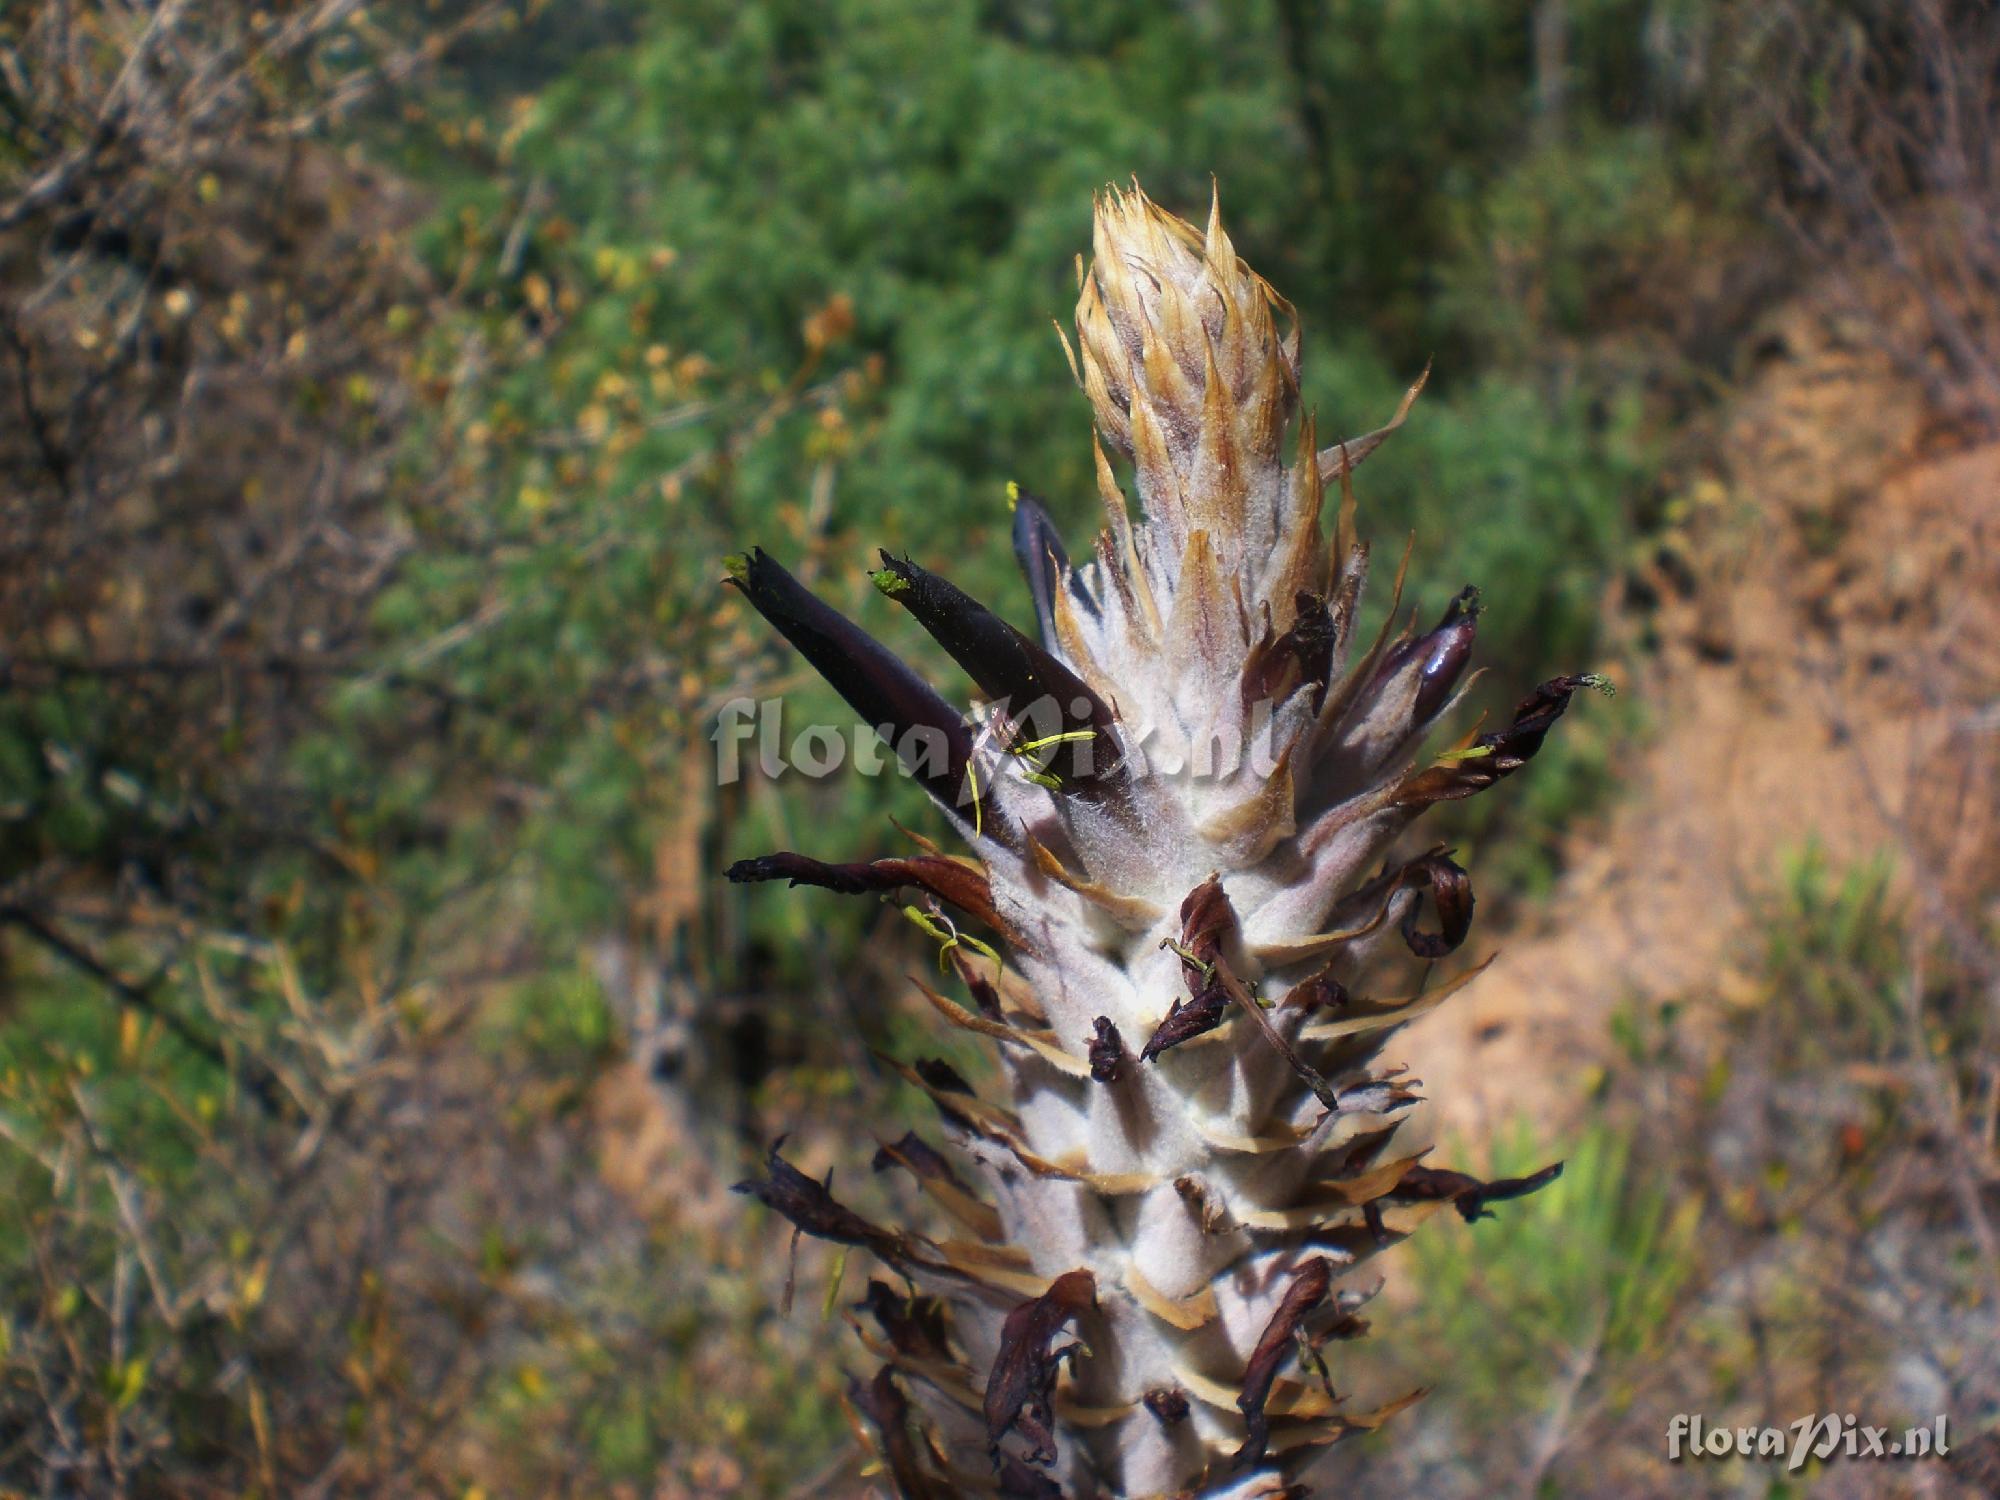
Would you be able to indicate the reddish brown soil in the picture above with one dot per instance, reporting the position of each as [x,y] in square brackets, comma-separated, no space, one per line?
[1827,669]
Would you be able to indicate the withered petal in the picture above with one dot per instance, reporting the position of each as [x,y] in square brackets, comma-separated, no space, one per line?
[1021,1386]
[1274,1347]
[806,1203]
[1107,1052]
[1301,657]
[914,1325]
[1468,1194]
[1187,1019]
[1319,991]
[1207,922]
[960,885]
[1445,652]
[1496,755]
[1367,906]
[1451,893]
[1019,1482]
[919,1157]
[883,1403]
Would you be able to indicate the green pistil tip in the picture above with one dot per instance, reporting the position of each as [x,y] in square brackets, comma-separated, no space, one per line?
[1013,495]
[737,566]
[1600,682]
[889,581]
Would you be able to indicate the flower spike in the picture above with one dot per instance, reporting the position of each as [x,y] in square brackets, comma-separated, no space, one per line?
[1161,1233]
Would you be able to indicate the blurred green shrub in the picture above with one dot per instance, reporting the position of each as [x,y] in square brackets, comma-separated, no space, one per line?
[1581,1278]
[1836,952]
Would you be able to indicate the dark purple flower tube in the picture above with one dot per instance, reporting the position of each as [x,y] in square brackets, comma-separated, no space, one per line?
[929,736]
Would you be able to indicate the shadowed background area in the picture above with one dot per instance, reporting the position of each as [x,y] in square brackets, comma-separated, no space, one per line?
[379,393]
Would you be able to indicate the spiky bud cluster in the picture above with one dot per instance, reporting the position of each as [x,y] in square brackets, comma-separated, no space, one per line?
[1182,799]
